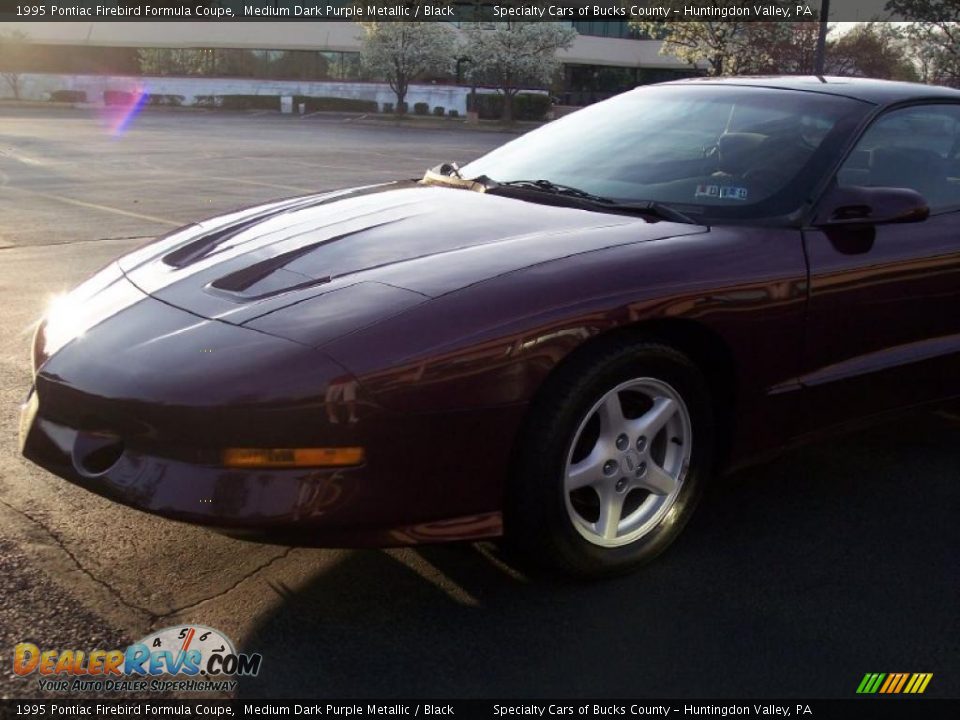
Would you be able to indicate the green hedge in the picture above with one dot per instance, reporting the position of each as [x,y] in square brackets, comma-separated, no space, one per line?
[118,97]
[335,104]
[526,106]
[68,96]
[531,106]
[421,108]
[165,100]
[272,102]
[248,102]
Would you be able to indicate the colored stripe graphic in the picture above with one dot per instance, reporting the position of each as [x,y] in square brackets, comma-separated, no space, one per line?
[894,683]
[891,679]
[903,680]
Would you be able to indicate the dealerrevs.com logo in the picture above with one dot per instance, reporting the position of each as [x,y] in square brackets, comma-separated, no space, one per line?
[191,658]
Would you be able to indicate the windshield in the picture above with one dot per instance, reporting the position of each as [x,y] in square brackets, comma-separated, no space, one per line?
[719,152]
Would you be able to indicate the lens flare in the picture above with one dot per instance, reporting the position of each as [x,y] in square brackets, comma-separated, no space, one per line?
[125,110]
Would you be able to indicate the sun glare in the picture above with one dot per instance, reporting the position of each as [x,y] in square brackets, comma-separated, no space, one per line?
[119,117]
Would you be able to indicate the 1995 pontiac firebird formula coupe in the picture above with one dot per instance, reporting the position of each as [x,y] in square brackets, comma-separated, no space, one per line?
[560,342]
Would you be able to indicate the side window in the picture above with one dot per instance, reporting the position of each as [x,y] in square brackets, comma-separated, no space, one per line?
[916,147]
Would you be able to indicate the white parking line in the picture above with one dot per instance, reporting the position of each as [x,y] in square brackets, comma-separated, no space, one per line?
[93,206]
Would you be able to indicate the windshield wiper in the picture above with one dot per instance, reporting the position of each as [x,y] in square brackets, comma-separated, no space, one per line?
[554,189]
[658,210]
[646,207]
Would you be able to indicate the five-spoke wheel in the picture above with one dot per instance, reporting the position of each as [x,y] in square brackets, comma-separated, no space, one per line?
[627,462]
[612,458]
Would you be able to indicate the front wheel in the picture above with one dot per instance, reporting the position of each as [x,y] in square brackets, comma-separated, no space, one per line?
[613,459]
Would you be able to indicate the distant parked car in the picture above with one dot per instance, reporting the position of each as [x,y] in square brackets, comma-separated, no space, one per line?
[563,340]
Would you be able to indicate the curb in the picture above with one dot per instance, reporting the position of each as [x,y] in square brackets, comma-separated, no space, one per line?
[425,123]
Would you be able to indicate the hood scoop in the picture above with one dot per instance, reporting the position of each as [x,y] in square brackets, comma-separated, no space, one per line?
[428,240]
[271,276]
[206,244]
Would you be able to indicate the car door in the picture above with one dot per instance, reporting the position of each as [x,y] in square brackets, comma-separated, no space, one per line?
[883,324]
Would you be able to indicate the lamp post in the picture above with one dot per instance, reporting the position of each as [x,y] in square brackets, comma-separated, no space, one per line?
[472,100]
[820,58]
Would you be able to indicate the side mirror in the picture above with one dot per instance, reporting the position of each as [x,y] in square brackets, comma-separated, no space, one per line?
[871,206]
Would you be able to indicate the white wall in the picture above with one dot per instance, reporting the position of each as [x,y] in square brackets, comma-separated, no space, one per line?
[38,86]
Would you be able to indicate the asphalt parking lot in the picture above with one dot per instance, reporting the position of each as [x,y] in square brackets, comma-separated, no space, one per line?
[794,579]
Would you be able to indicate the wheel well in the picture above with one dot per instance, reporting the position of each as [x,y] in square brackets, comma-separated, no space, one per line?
[708,351]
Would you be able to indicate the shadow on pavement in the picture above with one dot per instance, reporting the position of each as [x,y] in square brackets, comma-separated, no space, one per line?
[793,579]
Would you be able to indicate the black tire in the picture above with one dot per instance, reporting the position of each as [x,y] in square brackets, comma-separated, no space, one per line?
[536,515]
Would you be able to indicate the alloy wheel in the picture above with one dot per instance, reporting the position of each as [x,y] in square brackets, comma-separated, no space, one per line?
[627,462]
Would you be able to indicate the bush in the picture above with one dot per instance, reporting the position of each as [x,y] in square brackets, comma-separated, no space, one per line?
[487,106]
[388,107]
[248,102]
[402,108]
[439,111]
[531,106]
[68,96]
[453,112]
[205,101]
[336,104]
[117,97]
[421,108]
[165,100]
[526,106]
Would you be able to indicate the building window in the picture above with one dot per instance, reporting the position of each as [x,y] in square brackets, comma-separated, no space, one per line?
[586,84]
[609,29]
[190,62]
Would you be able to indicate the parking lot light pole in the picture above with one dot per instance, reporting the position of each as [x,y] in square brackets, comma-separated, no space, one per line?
[820,58]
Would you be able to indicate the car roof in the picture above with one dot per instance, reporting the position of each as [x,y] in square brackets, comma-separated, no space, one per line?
[879,92]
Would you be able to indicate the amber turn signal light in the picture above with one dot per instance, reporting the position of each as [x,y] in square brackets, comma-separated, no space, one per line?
[292,457]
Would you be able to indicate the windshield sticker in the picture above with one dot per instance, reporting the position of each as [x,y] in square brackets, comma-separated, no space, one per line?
[722,192]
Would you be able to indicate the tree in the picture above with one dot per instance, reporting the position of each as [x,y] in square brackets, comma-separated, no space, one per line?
[934,36]
[873,49]
[14,51]
[514,55]
[715,46]
[779,48]
[399,52]
[736,47]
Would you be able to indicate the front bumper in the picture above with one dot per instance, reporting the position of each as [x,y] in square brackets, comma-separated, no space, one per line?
[332,507]
[140,408]
[393,499]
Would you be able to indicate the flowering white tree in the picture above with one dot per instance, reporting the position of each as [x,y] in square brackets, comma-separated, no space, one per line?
[735,47]
[511,55]
[715,45]
[398,52]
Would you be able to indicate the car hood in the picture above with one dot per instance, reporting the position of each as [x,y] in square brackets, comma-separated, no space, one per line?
[386,247]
